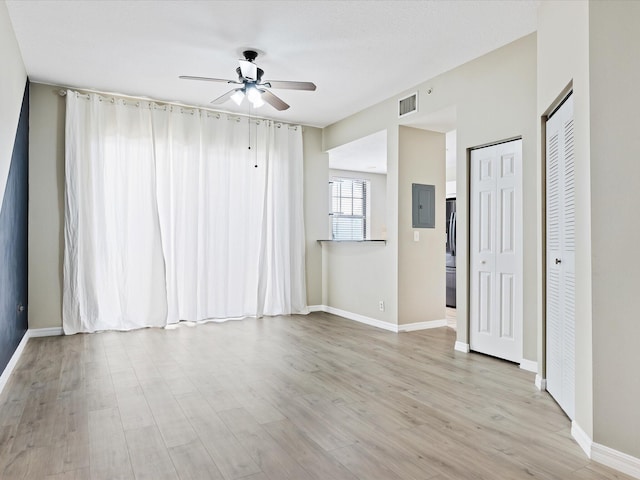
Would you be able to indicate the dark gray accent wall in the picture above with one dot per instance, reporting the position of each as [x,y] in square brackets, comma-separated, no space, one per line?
[13,242]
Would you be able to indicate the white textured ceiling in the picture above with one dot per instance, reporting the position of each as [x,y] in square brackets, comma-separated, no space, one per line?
[357,52]
[368,154]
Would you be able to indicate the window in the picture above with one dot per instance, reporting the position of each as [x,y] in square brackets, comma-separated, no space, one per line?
[349,204]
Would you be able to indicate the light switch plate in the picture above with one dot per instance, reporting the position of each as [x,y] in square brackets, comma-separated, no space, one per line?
[416,236]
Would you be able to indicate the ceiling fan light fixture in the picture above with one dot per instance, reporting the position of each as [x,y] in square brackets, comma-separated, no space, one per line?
[255,97]
[258,103]
[238,97]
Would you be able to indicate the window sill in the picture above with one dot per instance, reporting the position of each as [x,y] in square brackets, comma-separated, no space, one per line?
[353,241]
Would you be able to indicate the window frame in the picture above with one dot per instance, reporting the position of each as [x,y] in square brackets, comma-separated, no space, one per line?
[336,216]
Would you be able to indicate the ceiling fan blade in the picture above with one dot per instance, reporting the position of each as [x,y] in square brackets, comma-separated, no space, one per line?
[225,97]
[249,69]
[284,84]
[274,101]
[207,79]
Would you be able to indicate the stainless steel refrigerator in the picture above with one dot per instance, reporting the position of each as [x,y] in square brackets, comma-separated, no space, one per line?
[451,252]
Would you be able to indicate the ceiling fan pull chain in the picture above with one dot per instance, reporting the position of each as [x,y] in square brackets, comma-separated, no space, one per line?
[255,139]
[255,150]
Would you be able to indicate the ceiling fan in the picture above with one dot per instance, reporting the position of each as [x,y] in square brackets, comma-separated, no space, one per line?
[252,86]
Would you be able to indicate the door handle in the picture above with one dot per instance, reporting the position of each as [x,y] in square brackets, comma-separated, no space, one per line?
[558,261]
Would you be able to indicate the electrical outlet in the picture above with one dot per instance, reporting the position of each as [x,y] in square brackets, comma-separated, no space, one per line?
[381,305]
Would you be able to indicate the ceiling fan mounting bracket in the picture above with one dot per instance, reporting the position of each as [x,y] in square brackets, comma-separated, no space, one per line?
[250,55]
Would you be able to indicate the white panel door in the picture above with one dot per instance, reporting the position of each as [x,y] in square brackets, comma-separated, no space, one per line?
[560,268]
[496,251]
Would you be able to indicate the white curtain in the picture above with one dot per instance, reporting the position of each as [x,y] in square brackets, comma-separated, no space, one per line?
[178,214]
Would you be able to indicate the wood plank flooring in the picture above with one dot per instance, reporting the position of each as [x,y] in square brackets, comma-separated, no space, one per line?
[302,397]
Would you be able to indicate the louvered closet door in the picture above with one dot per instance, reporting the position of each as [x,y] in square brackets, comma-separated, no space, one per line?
[496,251]
[561,278]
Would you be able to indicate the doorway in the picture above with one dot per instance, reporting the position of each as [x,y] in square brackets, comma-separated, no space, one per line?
[450,227]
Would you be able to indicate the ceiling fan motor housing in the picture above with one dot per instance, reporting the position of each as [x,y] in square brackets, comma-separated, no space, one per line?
[259,74]
[250,55]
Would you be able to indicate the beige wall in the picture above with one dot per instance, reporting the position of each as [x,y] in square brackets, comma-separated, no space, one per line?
[46,206]
[614,68]
[421,264]
[357,276]
[495,99]
[563,50]
[316,209]
[355,284]
[351,271]
[12,82]
[592,46]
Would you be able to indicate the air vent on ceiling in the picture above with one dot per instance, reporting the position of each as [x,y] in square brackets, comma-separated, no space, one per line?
[408,105]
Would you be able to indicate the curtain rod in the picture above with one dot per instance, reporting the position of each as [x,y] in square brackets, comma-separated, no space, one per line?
[63,93]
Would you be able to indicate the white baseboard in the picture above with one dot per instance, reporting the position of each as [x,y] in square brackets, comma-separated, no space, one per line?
[45,332]
[409,327]
[605,455]
[362,319]
[30,333]
[580,436]
[615,459]
[4,378]
[541,383]
[374,322]
[412,327]
[529,365]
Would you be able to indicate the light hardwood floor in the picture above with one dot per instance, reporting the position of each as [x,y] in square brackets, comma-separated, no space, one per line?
[315,397]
